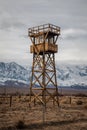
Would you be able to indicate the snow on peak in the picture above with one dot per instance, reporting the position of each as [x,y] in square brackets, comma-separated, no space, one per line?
[67,74]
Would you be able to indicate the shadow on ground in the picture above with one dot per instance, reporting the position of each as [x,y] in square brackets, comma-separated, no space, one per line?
[40,126]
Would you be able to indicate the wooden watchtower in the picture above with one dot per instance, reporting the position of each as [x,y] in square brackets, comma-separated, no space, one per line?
[43,84]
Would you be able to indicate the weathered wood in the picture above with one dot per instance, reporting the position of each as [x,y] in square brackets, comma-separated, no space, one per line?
[5,97]
[10,100]
[44,47]
[39,30]
[40,48]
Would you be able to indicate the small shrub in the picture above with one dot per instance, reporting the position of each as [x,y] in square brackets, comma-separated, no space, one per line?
[39,103]
[85,106]
[28,94]
[79,102]
[81,95]
[19,96]
[20,125]
[0,102]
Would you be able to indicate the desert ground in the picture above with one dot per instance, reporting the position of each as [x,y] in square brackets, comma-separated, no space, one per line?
[15,113]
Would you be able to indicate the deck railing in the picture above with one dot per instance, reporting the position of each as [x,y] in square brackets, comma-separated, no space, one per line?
[43,28]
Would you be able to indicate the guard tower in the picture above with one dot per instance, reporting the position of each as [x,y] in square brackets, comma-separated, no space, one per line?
[43,86]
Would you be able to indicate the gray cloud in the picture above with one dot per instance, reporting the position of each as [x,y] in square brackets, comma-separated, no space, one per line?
[17,16]
[10,23]
[74,34]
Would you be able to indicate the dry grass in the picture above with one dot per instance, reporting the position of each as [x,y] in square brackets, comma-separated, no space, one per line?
[69,116]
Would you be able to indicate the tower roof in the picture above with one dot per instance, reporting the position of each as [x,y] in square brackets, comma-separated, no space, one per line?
[42,29]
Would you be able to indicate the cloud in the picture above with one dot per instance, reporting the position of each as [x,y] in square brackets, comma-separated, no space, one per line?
[74,33]
[17,16]
[8,23]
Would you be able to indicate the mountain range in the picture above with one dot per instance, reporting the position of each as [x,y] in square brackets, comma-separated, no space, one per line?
[70,75]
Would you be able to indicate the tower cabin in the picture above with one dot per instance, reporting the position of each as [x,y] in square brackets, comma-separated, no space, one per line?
[44,39]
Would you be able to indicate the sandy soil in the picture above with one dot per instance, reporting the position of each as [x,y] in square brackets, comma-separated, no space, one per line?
[69,116]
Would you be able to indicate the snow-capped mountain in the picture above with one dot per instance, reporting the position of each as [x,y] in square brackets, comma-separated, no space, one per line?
[72,75]
[12,73]
[67,75]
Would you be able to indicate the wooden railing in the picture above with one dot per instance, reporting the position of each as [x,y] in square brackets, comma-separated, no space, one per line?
[44,28]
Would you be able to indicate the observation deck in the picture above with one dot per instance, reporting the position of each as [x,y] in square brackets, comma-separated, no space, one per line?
[43,29]
[44,38]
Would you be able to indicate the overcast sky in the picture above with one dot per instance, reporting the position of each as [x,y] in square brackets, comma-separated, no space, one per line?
[16,16]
